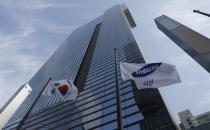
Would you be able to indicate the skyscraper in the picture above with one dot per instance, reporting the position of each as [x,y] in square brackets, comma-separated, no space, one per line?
[13,104]
[87,57]
[193,43]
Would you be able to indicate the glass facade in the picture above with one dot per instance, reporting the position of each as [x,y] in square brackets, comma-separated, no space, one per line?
[88,54]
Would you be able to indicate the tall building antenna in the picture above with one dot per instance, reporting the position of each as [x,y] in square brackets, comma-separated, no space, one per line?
[199,12]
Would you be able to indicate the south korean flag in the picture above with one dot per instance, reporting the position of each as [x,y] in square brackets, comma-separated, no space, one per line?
[62,88]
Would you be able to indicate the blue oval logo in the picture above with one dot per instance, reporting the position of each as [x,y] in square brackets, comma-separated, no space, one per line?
[146,70]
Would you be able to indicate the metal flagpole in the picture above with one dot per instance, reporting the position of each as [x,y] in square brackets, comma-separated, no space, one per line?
[29,111]
[119,109]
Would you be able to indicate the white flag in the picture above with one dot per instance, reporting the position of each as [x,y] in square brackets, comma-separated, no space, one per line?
[153,75]
[63,88]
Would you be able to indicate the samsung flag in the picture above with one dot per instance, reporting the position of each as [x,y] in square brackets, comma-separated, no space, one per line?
[63,88]
[151,75]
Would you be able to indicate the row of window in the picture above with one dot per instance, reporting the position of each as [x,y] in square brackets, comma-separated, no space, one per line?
[89,100]
[82,96]
[70,116]
[110,57]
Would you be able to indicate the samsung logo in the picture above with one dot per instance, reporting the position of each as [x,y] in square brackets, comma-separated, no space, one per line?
[146,70]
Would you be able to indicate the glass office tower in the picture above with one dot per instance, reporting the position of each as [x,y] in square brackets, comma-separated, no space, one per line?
[193,43]
[87,57]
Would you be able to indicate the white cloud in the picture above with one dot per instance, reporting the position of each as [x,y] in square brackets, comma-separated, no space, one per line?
[34,4]
[205,99]
[33,23]
[53,28]
[16,65]
[14,40]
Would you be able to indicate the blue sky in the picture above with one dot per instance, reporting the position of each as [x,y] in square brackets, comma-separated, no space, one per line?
[31,30]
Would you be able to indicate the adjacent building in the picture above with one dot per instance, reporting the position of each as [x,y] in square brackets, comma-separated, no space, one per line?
[190,122]
[193,43]
[87,57]
[187,119]
[13,104]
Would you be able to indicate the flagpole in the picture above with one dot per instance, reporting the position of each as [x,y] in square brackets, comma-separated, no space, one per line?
[29,111]
[119,109]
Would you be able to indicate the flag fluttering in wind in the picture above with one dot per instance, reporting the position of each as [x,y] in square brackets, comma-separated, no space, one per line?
[63,88]
[152,75]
